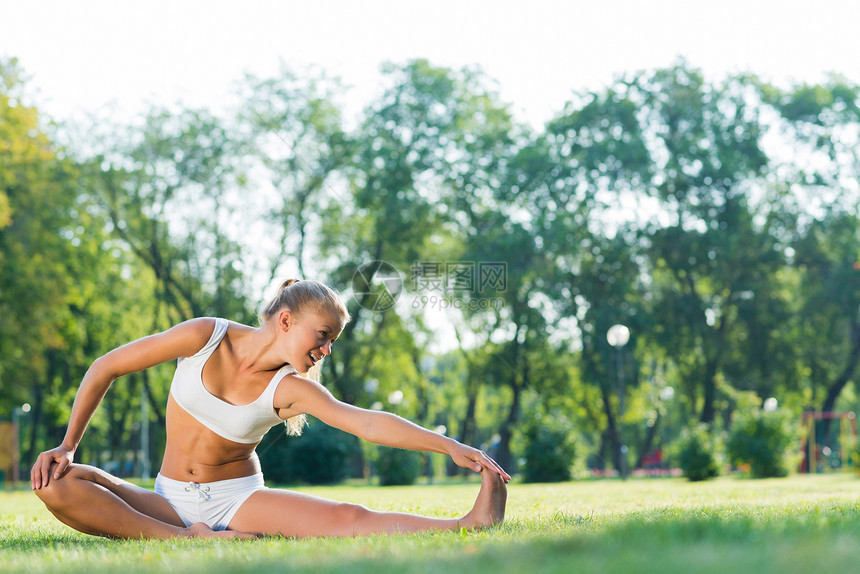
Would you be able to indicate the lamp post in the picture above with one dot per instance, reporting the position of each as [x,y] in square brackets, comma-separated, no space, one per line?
[618,336]
[666,395]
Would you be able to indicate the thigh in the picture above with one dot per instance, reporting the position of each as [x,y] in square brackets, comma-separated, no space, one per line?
[144,501]
[295,515]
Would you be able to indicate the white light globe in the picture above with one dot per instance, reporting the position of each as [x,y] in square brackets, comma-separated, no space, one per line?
[618,335]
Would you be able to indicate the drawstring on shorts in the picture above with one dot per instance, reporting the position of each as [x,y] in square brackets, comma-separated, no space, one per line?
[202,490]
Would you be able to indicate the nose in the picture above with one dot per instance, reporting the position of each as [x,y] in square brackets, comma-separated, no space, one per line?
[326,349]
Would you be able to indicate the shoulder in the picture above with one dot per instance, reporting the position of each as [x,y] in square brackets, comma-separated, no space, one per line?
[296,386]
[190,336]
[185,339]
[296,393]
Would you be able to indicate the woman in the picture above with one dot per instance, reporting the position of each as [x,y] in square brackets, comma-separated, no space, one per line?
[232,384]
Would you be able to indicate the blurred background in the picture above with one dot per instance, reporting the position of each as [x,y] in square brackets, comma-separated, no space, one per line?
[592,238]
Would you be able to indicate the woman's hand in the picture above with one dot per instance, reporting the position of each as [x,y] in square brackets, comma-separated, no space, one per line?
[477,460]
[40,474]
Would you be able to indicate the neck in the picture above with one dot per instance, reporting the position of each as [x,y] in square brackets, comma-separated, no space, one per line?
[256,350]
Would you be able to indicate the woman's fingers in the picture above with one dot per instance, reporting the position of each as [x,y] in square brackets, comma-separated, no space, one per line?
[36,474]
[62,465]
[484,461]
[496,467]
[478,460]
[45,474]
[501,472]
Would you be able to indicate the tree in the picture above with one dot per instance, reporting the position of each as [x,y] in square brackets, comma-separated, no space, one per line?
[37,221]
[169,196]
[823,227]
[53,258]
[395,211]
[296,131]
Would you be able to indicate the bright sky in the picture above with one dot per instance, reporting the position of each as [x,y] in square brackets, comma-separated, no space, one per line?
[82,55]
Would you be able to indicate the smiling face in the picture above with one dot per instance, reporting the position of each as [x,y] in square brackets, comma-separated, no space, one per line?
[309,337]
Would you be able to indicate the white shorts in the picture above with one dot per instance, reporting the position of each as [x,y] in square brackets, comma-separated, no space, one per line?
[214,503]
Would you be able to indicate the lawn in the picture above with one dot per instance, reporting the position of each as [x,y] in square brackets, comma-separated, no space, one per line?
[797,524]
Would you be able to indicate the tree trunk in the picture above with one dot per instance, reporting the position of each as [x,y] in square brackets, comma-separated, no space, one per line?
[710,387]
[467,423]
[834,390]
[518,384]
[611,429]
[505,457]
[648,443]
[712,363]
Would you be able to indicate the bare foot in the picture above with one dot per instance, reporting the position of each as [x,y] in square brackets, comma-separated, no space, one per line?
[202,530]
[489,508]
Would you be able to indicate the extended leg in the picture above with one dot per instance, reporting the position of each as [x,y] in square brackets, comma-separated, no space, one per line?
[299,515]
[94,502]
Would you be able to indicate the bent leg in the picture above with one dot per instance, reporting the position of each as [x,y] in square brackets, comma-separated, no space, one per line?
[94,502]
[298,515]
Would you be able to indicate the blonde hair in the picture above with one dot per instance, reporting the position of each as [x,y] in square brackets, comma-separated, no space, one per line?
[301,296]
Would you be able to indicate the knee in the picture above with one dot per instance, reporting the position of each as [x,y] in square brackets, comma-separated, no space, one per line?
[59,490]
[350,513]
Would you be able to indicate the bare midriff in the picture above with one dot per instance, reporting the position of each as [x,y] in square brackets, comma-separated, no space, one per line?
[196,454]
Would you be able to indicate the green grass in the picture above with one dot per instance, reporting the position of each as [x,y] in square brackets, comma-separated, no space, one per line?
[797,524]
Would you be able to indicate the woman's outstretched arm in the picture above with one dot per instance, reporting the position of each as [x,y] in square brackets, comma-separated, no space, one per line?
[184,339]
[385,428]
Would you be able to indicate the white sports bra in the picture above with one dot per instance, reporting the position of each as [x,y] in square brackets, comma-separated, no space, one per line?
[239,423]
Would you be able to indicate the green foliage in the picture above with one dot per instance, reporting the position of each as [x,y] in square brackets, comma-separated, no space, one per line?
[166,192]
[699,453]
[549,449]
[396,466]
[765,441]
[321,455]
[52,258]
[736,256]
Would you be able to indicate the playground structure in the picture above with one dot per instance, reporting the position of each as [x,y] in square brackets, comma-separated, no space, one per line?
[818,452]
